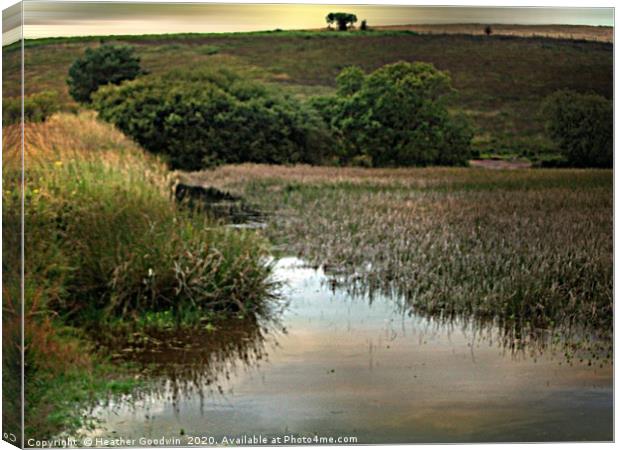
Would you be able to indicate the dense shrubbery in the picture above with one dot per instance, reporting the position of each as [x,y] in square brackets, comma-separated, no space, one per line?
[37,107]
[201,118]
[582,127]
[103,65]
[395,116]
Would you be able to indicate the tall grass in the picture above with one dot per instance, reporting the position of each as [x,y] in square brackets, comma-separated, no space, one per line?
[105,246]
[529,250]
[101,224]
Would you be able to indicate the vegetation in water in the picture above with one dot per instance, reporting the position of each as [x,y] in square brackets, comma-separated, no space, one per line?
[109,252]
[530,251]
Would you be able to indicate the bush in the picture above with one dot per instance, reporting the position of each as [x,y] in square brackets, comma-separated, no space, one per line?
[103,65]
[581,125]
[396,116]
[37,107]
[202,118]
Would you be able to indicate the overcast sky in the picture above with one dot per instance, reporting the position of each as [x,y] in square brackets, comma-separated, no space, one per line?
[44,18]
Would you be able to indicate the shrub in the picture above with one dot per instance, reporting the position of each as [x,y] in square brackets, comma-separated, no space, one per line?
[396,116]
[582,127]
[202,118]
[37,107]
[103,65]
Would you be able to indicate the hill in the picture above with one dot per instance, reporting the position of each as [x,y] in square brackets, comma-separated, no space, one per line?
[501,80]
[582,32]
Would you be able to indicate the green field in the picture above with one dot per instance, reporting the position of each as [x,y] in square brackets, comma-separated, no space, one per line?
[500,80]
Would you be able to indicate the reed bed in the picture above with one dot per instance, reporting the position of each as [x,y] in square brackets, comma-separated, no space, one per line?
[530,250]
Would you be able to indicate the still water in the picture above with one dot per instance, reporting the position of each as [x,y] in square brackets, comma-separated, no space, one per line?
[342,366]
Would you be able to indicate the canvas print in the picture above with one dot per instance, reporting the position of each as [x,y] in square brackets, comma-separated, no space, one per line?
[306,224]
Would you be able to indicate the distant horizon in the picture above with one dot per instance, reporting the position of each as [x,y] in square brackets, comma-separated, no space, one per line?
[71,19]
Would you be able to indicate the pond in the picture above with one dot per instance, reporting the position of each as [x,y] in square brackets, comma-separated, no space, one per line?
[337,365]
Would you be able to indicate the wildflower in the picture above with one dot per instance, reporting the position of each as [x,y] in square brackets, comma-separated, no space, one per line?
[58,163]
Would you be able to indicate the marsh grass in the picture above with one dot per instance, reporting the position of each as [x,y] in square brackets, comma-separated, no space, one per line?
[529,251]
[113,237]
[105,247]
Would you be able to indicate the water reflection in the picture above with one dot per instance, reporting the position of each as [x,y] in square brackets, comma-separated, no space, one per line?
[335,364]
[196,363]
[516,337]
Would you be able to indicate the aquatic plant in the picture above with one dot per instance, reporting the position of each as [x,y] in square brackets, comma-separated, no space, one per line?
[530,250]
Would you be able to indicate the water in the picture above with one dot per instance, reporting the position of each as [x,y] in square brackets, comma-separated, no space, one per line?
[341,366]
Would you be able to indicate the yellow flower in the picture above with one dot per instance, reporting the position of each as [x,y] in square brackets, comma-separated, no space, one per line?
[58,163]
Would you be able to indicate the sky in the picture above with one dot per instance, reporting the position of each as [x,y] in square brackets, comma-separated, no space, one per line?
[46,19]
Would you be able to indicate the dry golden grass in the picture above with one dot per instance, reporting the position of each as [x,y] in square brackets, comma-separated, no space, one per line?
[237,177]
[588,33]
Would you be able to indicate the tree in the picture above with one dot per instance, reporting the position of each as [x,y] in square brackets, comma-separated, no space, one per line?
[582,127]
[364,25]
[344,20]
[488,30]
[396,116]
[107,64]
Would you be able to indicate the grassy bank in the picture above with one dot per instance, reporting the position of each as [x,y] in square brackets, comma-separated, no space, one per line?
[498,87]
[107,248]
[529,250]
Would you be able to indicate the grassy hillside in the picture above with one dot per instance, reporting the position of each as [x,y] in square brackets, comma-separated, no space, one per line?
[501,80]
